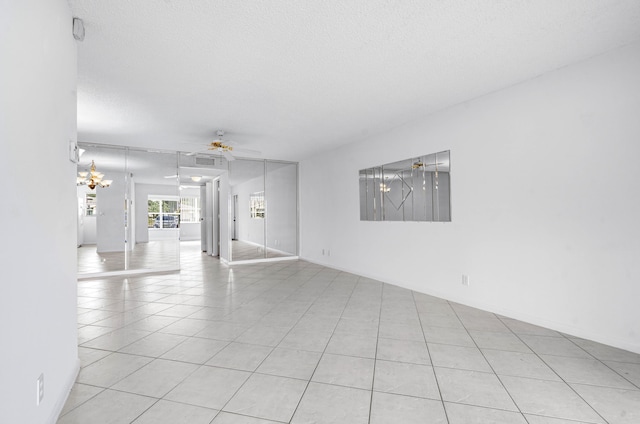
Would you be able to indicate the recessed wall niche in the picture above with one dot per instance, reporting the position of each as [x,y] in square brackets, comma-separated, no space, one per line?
[416,189]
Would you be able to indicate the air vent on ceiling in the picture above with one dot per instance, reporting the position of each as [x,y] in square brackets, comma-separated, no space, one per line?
[206,161]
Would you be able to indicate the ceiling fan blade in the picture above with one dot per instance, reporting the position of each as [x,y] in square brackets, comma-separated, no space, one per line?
[420,165]
[195,152]
[247,151]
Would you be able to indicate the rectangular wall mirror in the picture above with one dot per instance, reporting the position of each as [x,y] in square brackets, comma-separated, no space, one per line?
[416,189]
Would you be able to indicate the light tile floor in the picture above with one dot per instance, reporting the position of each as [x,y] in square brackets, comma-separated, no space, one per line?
[294,342]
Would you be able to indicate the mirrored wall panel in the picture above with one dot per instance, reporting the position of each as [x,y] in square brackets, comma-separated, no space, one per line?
[247,191]
[129,210]
[281,209]
[263,209]
[101,186]
[155,211]
[416,189]
[202,178]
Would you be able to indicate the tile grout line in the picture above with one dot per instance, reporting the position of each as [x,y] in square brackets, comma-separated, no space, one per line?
[261,281]
[252,373]
[375,356]
[551,368]
[489,363]
[325,347]
[607,366]
[152,357]
[424,337]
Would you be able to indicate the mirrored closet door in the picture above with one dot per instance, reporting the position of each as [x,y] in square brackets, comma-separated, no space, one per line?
[128,210]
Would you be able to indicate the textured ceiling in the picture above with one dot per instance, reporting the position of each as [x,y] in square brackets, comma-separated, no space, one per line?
[291,77]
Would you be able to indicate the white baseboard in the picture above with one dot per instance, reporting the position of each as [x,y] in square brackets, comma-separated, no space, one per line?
[256,261]
[59,405]
[500,310]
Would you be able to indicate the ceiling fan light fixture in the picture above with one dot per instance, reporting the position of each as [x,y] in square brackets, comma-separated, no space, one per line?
[219,146]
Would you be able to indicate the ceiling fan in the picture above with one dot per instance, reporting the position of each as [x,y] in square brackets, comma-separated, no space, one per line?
[223,147]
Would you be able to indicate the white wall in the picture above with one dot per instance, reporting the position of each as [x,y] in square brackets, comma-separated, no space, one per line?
[81,211]
[545,188]
[189,231]
[87,226]
[89,230]
[38,292]
[165,234]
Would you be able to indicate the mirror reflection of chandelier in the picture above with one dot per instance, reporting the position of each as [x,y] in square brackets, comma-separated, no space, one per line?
[93,178]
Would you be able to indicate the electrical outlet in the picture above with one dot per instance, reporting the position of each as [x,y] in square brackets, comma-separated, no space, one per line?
[465,280]
[322,252]
[40,389]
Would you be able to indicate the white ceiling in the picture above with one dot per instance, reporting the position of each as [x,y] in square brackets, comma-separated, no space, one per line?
[294,77]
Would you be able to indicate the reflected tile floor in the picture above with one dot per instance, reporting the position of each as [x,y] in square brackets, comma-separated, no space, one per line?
[155,254]
[294,342]
[243,251]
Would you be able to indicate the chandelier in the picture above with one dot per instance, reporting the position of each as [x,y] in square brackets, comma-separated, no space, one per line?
[93,178]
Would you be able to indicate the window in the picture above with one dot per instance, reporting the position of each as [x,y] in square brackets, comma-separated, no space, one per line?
[91,204]
[256,201]
[189,209]
[163,213]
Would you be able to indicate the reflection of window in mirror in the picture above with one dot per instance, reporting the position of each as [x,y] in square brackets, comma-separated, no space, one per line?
[163,213]
[91,204]
[256,202]
[189,209]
